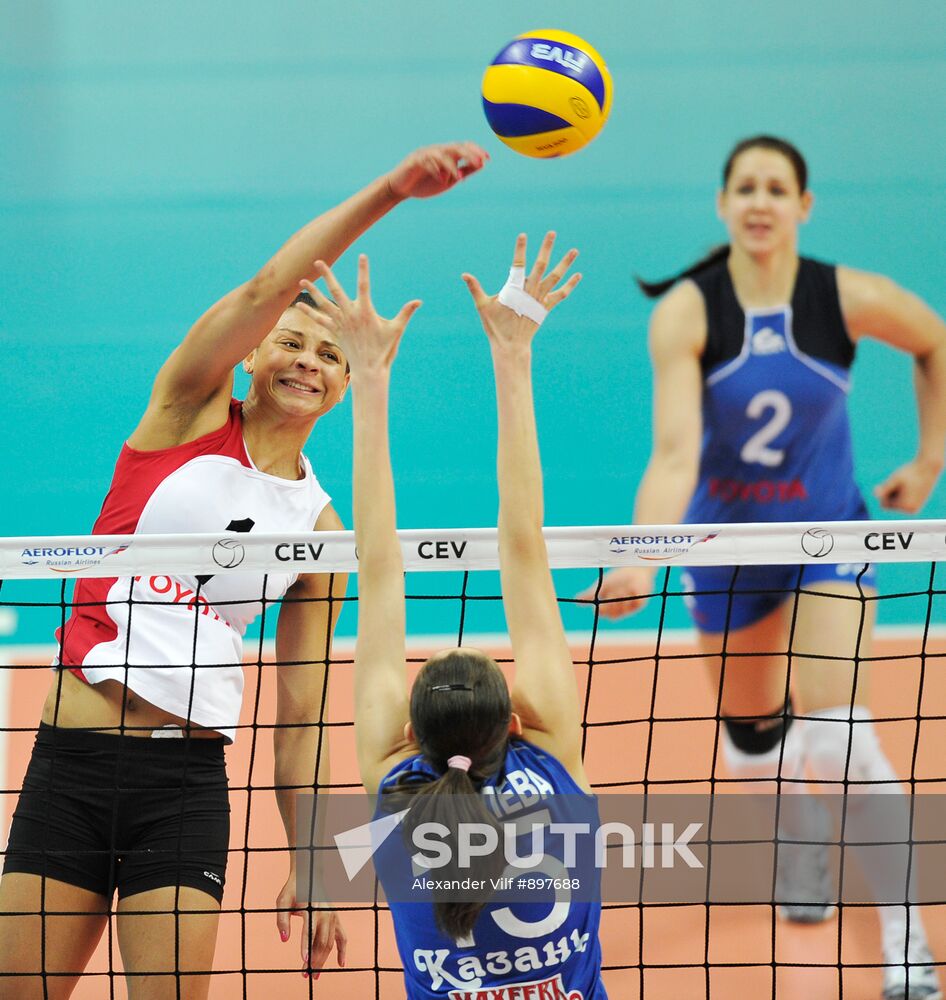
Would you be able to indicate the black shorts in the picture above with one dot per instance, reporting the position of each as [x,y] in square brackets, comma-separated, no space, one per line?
[105,812]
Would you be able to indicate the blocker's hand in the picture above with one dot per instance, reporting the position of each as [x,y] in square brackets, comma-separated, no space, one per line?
[434,169]
[504,325]
[368,341]
[322,929]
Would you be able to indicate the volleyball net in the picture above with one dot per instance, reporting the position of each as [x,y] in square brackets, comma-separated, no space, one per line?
[651,718]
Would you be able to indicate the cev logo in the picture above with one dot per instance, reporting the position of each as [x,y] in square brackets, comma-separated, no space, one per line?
[817,542]
[228,553]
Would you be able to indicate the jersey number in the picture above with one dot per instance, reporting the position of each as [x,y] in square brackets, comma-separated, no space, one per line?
[756,449]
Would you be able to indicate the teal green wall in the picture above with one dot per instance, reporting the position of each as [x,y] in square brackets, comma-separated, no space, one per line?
[151,156]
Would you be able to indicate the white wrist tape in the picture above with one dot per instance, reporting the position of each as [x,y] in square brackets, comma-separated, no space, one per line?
[514,296]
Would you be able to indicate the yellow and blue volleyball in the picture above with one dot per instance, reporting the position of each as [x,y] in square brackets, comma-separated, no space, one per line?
[547,93]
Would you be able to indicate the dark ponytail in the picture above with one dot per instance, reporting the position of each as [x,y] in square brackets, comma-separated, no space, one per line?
[459,706]
[654,289]
[452,800]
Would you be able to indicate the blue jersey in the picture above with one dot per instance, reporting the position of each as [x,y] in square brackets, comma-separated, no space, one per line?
[776,436]
[518,950]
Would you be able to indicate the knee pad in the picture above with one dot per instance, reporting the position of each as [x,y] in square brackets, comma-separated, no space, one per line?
[841,745]
[758,736]
[757,748]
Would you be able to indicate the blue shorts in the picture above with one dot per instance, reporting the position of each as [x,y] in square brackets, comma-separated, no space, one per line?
[725,598]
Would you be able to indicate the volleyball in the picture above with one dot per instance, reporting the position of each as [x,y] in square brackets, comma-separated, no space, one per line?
[547,93]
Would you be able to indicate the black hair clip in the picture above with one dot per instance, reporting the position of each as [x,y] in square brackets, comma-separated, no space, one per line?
[452,687]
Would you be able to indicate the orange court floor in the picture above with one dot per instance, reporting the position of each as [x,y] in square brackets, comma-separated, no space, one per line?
[664,728]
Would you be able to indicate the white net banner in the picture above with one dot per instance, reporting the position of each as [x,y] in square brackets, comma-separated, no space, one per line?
[854,542]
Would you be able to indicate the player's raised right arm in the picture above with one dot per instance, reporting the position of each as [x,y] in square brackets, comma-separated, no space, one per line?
[544,693]
[200,371]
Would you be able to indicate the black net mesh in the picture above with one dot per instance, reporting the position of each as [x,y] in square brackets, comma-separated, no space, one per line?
[652,726]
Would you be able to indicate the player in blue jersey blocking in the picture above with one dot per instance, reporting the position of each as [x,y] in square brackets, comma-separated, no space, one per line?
[459,736]
[751,350]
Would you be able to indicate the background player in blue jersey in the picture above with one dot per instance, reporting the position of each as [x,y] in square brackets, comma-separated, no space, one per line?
[459,732]
[751,349]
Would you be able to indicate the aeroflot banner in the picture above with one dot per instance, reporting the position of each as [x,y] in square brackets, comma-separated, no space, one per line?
[838,542]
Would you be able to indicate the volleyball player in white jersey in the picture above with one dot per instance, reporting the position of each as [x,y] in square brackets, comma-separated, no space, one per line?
[106,806]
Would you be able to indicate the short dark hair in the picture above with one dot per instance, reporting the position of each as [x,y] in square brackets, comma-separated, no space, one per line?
[776,145]
[305,298]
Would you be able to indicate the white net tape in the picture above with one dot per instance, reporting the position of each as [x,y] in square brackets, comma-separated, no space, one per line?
[790,543]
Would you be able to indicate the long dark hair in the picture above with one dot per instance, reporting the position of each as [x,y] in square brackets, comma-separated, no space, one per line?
[460,705]
[654,289]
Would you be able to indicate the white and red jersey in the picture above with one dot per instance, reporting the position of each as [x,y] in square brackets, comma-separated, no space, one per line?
[177,641]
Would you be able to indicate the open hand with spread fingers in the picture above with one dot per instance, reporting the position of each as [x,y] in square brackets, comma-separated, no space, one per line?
[368,341]
[511,317]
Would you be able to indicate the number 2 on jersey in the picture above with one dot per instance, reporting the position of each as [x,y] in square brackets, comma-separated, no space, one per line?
[756,449]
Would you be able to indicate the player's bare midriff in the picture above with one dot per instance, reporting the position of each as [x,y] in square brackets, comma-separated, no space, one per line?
[110,707]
